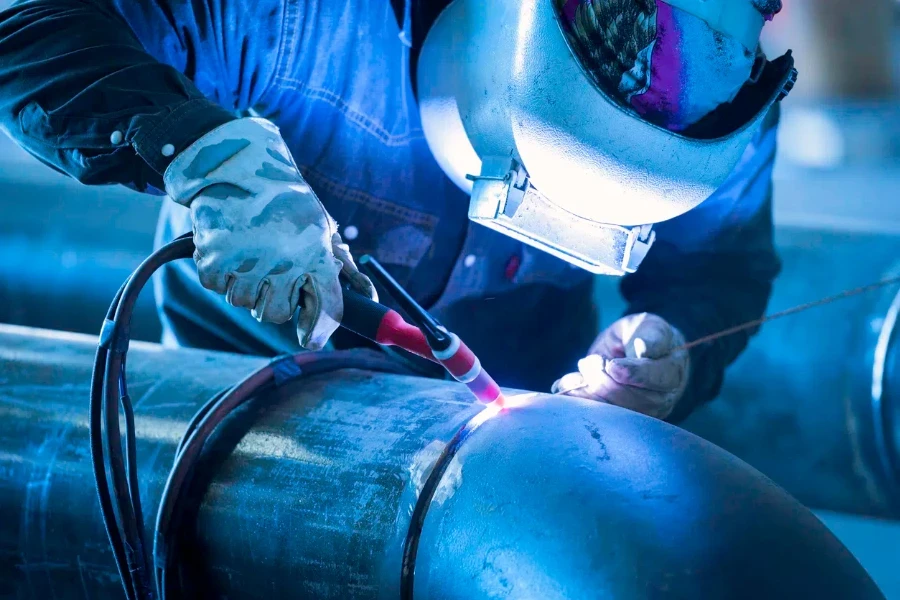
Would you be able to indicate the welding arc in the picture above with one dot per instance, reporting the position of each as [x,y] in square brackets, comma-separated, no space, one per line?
[790,311]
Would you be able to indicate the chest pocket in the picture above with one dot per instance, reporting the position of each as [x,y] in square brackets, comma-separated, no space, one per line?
[345,106]
[346,57]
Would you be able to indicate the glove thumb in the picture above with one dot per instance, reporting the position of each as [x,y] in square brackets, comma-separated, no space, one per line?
[650,336]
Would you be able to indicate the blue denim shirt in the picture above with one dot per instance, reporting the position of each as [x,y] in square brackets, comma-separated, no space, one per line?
[335,77]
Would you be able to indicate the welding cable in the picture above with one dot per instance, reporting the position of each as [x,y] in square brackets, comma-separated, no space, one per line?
[173,501]
[129,512]
[114,459]
[97,462]
[114,464]
[195,420]
[131,473]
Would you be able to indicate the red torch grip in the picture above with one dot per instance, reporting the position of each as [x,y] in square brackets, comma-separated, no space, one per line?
[395,331]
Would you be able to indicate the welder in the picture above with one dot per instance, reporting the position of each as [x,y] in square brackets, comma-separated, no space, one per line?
[493,155]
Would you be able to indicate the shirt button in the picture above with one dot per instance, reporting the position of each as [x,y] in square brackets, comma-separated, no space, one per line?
[116,138]
[351,233]
[469,261]
[168,150]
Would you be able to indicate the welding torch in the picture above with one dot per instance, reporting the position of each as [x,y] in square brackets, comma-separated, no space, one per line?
[427,338]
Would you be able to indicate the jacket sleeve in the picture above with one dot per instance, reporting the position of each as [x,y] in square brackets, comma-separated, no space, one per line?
[713,268]
[80,92]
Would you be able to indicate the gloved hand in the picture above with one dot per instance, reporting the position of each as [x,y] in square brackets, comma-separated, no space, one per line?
[263,238]
[635,364]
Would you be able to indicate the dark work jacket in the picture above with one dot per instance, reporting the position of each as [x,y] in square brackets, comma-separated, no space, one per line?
[97,88]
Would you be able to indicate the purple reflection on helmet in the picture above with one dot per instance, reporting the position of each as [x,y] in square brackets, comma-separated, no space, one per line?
[664,63]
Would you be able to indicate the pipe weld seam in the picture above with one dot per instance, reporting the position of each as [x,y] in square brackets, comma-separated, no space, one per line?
[423,503]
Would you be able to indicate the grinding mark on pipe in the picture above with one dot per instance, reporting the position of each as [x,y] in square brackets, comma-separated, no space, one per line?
[602,452]
[270,445]
[427,495]
[35,511]
[423,464]
[495,568]
[450,482]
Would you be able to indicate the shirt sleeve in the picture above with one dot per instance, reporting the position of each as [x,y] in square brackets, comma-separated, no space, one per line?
[713,268]
[80,93]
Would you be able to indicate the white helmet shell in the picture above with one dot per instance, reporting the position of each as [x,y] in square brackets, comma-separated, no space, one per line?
[498,84]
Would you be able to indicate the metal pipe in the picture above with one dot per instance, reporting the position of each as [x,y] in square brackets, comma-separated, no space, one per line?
[65,248]
[814,402]
[311,492]
[798,405]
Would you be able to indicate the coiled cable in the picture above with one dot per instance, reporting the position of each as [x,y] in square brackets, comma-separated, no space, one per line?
[113,450]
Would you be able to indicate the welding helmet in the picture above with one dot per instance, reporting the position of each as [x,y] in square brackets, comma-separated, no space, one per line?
[513,117]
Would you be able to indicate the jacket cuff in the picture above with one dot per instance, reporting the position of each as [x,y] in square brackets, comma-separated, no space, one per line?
[159,140]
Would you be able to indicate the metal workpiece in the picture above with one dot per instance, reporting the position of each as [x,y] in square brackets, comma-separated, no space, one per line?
[814,402]
[798,405]
[580,500]
[361,485]
[886,398]
[65,248]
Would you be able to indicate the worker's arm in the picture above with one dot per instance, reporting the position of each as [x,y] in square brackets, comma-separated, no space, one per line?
[80,91]
[713,268]
[107,102]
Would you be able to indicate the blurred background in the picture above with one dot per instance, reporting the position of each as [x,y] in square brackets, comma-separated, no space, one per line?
[814,403]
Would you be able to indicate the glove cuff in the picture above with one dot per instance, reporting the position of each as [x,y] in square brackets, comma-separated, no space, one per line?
[229,154]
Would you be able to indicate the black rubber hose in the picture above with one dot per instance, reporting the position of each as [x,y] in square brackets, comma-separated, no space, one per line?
[171,504]
[126,508]
[97,460]
[115,464]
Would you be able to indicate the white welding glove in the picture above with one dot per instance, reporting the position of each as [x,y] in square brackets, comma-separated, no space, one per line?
[263,238]
[635,363]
